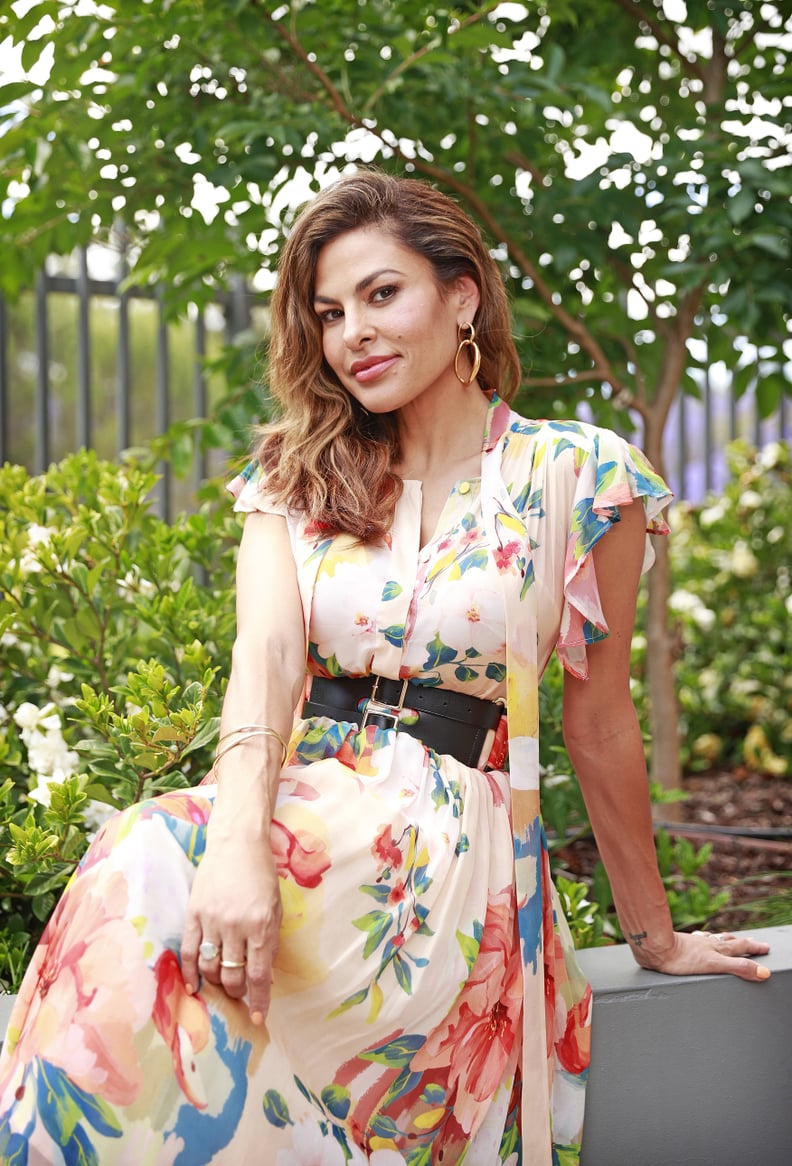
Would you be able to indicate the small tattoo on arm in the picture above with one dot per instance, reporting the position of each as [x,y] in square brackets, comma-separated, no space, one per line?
[639,938]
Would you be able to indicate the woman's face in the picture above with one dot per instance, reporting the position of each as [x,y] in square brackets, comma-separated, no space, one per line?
[389,331]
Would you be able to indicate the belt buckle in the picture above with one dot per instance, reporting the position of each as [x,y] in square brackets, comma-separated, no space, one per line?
[377,708]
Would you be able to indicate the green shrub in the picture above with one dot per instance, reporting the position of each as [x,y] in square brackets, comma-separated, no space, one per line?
[732,603]
[115,636]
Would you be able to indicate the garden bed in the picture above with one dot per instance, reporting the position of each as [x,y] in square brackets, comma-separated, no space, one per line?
[747,817]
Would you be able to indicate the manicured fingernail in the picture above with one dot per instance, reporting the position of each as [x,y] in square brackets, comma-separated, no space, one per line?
[762,973]
[188,988]
[257,1017]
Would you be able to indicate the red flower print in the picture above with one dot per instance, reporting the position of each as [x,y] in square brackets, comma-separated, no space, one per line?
[181,1020]
[385,850]
[398,893]
[477,1040]
[299,855]
[504,556]
[574,1047]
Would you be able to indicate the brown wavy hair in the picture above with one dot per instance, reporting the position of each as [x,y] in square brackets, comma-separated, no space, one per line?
[324,454]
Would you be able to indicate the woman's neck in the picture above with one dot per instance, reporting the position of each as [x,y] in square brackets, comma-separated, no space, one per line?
[435,437]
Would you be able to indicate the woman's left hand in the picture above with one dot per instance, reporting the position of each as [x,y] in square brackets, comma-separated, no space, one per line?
[707,953]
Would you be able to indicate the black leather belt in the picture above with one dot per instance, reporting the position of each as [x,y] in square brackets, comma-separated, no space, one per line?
[446,721]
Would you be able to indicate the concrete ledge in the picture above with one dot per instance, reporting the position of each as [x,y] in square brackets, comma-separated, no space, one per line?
[689,1070]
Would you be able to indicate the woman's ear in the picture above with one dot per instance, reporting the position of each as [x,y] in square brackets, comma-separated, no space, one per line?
[468,297]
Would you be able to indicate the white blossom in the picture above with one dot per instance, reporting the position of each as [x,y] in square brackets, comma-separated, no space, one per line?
[704,617]
[744,563]
[771,455]
[56,677]
[134,584]
[750,499]
[31,718]
[712,514]
[683,601]
[96,814]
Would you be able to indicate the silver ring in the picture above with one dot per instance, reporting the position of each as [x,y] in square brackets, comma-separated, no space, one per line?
[232,963]
[208,951]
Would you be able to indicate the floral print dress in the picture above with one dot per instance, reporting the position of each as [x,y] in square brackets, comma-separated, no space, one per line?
[427,1006]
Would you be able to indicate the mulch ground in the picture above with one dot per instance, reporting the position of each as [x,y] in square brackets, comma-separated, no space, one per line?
[748,819]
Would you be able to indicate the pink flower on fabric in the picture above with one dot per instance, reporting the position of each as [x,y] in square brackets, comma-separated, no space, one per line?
[574,1047]
[91,991]
[385,850]
[477,1039]
[299,855]
[504,556]
[183,1023]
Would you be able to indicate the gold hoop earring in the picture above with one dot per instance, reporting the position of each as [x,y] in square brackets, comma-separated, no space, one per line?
[467,339]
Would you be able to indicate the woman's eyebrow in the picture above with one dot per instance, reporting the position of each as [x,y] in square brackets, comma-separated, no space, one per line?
[362,284]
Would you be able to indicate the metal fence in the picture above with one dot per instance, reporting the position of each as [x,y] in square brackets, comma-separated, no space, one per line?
[41,421]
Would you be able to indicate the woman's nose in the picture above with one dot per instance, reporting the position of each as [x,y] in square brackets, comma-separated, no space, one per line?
[357,328]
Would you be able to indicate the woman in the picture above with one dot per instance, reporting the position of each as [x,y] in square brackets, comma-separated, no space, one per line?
[346,947]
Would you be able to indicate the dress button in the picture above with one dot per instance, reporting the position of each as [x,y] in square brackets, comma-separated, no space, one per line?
[464,487]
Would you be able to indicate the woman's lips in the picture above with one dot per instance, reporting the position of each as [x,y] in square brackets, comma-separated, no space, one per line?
[368,370]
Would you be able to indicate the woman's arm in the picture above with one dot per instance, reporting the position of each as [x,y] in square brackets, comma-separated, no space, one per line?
[603,737]
[235,900]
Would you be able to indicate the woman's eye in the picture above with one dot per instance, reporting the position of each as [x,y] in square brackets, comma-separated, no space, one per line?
[383,293]
[330,315]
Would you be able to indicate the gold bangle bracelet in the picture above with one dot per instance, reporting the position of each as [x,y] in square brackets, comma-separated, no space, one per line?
[247,733]
[264,729]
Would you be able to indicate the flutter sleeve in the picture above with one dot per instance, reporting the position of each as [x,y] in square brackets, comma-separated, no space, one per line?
[609,473]
[249,491]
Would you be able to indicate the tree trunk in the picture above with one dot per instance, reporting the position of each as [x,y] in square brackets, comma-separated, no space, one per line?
[665,768]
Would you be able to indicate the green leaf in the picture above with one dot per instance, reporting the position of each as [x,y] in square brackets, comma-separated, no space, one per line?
[276,1109]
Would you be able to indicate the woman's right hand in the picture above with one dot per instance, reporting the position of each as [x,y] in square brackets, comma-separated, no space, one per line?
[235,903]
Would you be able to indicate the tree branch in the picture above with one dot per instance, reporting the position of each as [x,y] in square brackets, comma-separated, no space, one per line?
[336,100]
[675,355]
[409,61]
[637,11]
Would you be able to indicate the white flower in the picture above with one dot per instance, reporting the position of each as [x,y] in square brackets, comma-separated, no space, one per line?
[8,640]
[750,499]
[709,680]
[744,563]
[712,514]
[39,536]
[50,756]
[31,718]
[343,616]
[56,677]
[772,455]
[788,603]
[476,623]
[683,601]
[704,618]
[775,535]
[132,583]
[310,1148]
[96,814]
[41,792]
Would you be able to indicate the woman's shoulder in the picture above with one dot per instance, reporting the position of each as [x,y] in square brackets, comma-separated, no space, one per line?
[581,457]
[558,439]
